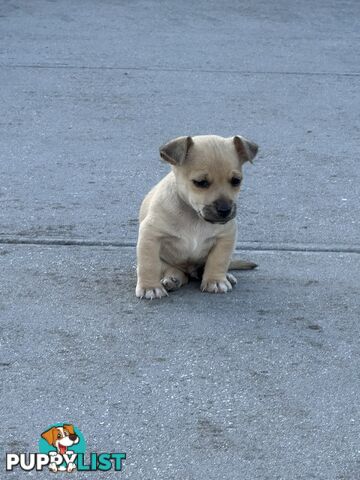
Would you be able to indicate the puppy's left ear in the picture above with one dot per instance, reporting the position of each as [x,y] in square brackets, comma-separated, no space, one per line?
[49,435]
[176,150]
[69,428]
[246,149]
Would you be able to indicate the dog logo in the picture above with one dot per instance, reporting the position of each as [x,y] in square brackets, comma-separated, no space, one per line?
[62,438]
[62,449]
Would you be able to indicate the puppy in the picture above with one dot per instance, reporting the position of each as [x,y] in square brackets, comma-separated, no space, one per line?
[61,438]
[187,221]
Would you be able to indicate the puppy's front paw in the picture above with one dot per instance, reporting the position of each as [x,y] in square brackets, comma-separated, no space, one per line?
[231,279]
[171,283]
[53,467]
[218,286]
[71,467]
[150,293]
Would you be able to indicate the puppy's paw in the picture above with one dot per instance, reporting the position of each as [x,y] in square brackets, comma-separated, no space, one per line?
[71,467]
[150,293]
[218,286]
[53,467]
[171,283]
[231,279]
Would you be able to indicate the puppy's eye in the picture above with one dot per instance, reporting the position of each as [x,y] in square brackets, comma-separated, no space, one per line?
[235,181]
[59,435]
[201,183]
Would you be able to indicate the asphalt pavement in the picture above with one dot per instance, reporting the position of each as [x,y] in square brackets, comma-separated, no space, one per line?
[261,383]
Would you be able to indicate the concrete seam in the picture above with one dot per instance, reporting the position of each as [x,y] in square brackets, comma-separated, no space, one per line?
[244,246]
[169,69]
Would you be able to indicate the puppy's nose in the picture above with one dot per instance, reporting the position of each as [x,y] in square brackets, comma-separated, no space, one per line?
[73,437]
[223,208]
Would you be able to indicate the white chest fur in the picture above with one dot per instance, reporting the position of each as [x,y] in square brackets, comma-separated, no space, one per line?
[197,240]
[190,245]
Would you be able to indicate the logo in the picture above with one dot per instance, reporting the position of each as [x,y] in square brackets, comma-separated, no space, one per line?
[62,449]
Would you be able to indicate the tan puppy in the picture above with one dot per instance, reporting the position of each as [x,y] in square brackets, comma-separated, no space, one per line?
[187,221]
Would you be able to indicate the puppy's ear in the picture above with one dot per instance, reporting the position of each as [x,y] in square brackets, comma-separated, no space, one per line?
[176,150]
[69,428]
[49,435]
[246,149]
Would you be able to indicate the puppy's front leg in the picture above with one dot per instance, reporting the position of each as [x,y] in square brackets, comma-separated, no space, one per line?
[215,277]
[148,265]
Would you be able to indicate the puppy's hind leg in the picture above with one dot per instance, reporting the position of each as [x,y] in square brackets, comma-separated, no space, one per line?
[173,278]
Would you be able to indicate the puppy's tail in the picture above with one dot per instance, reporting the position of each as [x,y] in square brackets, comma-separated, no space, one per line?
[237,264]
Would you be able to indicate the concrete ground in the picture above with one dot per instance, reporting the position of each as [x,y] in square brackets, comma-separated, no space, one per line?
[261,383]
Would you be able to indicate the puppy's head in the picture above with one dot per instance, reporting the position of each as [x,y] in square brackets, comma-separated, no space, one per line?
[61,437]
[208,171]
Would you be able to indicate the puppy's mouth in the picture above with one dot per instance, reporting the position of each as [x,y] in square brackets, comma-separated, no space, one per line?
[211,216]
[62,449]
[211,220]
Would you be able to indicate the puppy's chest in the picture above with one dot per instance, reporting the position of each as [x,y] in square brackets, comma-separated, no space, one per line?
[193,245]
[196,245]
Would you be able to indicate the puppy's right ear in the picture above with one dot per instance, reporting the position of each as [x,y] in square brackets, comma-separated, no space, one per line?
[69,428]
[49,435]
[246,149]
[176,150]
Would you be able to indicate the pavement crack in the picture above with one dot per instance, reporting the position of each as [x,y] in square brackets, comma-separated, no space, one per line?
[240,246]
[181,69]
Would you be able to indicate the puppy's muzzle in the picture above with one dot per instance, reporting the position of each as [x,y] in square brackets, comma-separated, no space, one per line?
[220,211]
[223,209]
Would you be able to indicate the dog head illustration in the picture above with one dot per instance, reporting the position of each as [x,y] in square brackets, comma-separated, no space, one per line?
[61,437]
